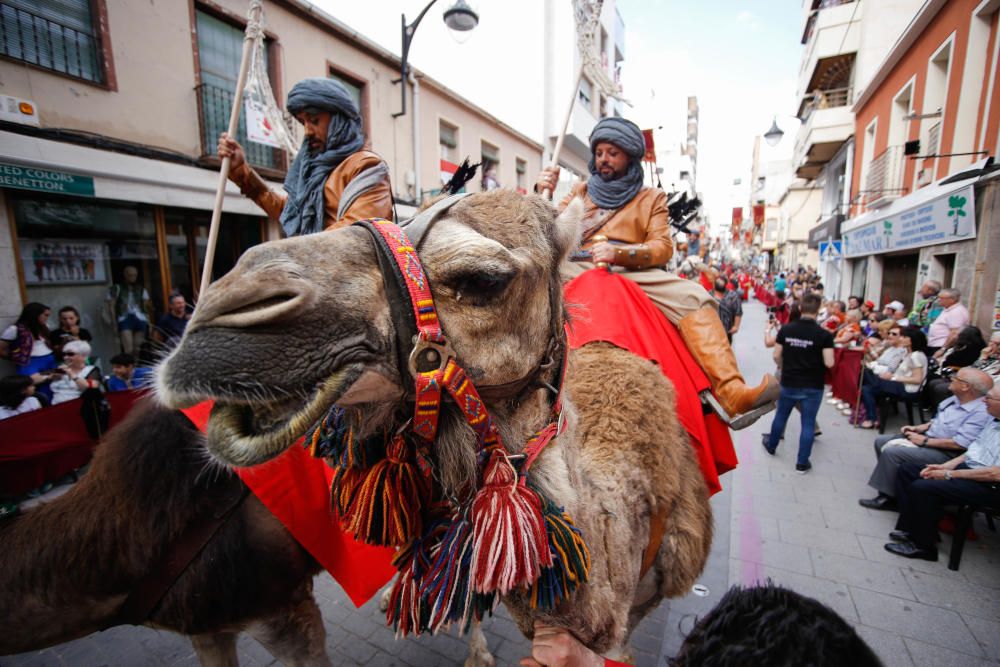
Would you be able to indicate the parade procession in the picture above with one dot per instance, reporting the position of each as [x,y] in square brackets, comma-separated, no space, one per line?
[543,332]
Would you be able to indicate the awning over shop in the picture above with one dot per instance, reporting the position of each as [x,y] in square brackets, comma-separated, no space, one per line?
[828,230]
[943,212]
[126,177]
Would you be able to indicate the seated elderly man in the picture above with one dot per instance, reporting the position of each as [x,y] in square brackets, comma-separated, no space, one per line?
[959,421]
[922,491]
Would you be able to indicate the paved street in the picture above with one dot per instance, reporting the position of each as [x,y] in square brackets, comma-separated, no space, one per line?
[806,532]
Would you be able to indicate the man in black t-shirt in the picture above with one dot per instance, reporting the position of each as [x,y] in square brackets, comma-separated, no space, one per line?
[804,350]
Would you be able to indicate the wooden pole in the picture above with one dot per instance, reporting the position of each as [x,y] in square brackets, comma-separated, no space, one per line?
[253,27]
[547,193]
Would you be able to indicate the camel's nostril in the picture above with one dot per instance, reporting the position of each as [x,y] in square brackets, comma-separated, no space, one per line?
[253,303]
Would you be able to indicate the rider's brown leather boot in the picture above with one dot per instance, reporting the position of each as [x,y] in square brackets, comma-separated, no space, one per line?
[706,340]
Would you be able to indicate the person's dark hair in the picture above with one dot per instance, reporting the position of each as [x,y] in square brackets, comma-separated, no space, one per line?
[720,284]
[174,293]
[856,298]
[779,293]
[810,303]
[123,360]
[918,341]
[70,309]
[970,337]
[819,286]
[12,390]
[773,626]
[29,318]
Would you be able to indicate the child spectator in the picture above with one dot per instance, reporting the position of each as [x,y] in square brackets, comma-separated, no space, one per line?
[125,376]
[17,396]
[69,329]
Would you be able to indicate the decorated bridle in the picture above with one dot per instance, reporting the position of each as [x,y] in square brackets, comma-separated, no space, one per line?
[457,556]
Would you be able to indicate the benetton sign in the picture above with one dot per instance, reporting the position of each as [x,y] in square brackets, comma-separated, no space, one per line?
[45,180]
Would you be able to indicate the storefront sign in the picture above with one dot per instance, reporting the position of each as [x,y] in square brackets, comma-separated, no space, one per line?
[942,220]
[826,231]
[45,180]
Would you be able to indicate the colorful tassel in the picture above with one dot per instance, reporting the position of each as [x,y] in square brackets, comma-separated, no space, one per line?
[407,612]
[445,588]
[384,508]
[570,559]
[509,543]
[333,438]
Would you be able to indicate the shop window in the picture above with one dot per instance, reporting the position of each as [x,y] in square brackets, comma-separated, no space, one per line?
[490,158]
[72,252]
[58,35]
[355,88]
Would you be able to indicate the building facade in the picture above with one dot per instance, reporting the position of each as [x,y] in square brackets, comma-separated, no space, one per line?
[110,115]
[922,187]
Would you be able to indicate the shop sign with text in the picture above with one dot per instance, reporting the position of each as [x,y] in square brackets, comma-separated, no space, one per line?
[942,220]
[45,180]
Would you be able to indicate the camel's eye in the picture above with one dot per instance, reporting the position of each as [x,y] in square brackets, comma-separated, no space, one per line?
[479,287]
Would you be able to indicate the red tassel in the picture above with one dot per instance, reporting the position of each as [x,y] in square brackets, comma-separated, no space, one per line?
[510,544]
[385,509]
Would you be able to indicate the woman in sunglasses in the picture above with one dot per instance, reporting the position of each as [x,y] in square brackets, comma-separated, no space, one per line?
[75,376]
[906,379]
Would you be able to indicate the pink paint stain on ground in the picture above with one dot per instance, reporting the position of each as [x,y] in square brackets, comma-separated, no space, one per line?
[749,550]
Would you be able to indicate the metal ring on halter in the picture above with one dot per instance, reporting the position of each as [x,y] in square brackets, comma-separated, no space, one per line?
[428,356]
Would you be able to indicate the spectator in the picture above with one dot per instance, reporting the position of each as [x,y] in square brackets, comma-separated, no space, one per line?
[945,327]
[906,380]
[888,354]
[957,423]
[922,491]
[75,376]
[835,316]
[17,396]
[850,333]
[966,351]
[69,329]
[896,311]
[170,327]
[804,350]
[781,308]
[927,308]
[125,375]
[26,344]
[854,303]
[730,307]
[780,284]
[989,358]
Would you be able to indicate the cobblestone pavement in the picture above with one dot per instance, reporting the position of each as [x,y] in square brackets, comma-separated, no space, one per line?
[806,532]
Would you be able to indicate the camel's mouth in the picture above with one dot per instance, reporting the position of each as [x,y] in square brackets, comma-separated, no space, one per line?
[245,434]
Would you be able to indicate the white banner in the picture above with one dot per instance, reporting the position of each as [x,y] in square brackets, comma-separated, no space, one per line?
[259,129]
[943,220]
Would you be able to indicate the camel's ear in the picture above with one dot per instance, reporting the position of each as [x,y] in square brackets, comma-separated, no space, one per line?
[567,228]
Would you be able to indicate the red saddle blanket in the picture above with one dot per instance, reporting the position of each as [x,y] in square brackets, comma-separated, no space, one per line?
[605,306]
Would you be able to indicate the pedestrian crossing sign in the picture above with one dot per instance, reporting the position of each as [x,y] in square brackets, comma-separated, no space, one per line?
[830,251]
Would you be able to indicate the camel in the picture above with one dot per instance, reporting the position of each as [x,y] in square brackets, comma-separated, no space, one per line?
[302,325]
[70,563]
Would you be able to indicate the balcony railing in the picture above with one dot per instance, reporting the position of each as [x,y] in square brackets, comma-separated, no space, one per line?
[885,176]
[933,139]
[214,107]
[42,42]
[826,99]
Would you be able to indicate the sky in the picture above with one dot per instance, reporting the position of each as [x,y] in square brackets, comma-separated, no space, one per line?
[739,57]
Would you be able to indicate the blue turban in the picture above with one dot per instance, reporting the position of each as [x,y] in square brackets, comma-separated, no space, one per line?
[304,210]
[626,135]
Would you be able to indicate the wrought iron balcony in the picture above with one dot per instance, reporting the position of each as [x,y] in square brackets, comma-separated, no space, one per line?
[214,106]
[826,99]
[45,43]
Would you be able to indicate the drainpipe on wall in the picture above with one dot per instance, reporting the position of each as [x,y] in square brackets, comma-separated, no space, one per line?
[415,117]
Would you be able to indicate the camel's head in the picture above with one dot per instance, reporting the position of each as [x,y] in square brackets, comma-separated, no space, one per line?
[303,323]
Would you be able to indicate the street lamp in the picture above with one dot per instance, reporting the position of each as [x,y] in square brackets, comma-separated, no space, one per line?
[774,135]
[460,17]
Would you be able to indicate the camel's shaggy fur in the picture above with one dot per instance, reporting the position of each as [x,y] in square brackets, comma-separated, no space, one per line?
[492,262]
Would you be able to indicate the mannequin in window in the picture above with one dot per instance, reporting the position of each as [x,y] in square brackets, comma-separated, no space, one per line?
[129,307]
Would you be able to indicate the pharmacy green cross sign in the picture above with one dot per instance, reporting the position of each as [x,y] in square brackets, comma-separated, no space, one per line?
[45,180]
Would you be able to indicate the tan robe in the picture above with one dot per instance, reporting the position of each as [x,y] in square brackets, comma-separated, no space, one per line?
[645,220]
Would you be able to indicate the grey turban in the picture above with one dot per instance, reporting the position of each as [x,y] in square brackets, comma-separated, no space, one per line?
[626,135]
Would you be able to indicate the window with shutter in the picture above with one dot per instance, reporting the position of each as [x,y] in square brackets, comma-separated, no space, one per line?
[448,139]
[57,35]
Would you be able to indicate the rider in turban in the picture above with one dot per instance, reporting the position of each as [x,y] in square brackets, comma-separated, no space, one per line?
[334,180]
[635,221]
